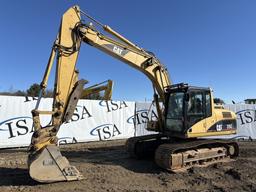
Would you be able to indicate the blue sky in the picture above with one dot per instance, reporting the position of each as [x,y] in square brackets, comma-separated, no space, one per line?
[204,43]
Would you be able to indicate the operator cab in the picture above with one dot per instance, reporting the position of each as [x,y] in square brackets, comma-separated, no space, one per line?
[185,106]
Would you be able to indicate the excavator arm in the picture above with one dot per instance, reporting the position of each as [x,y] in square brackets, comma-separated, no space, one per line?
[46,164]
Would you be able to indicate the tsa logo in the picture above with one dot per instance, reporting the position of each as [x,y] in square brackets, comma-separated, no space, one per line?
[105,131]
[113,105]
[17,126]
[246,116]
[142,116]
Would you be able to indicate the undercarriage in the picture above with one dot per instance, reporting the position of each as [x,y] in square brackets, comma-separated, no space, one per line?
[178,155]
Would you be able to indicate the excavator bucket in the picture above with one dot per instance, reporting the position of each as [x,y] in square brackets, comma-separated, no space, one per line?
[50,166]
[47,165]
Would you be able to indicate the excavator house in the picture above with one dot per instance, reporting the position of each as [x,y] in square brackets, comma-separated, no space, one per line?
[187,116]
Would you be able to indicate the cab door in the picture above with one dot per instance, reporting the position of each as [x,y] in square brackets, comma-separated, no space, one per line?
[210,118]
[194,108]
[197,109]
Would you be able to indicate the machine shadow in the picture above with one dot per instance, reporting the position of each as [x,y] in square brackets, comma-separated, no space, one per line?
[115,155]
[15,177]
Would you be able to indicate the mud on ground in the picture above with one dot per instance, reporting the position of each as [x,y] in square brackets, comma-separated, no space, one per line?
[107,167]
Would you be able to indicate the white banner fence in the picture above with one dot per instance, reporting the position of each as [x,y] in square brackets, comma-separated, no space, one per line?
[95,120]
[246,120]
[92,120]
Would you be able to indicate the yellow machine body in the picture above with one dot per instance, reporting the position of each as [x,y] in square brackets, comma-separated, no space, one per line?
[46,164]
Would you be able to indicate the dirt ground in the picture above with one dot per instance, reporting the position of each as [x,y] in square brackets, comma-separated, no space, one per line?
[107,167]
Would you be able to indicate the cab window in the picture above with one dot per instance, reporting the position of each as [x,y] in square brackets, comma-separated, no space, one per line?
[195,109]
[195,104]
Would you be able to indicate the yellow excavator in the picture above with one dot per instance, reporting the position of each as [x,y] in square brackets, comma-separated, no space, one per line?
[189,112]
[106,87]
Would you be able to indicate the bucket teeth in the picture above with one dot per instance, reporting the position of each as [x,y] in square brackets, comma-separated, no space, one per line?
[50,166]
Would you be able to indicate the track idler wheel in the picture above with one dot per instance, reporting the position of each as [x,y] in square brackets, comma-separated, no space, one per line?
[143,146]
[48,166]
[233,149]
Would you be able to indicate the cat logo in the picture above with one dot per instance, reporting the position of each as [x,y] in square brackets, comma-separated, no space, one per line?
[117,50]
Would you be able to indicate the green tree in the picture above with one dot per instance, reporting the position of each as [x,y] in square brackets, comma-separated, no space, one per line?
[33,90]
